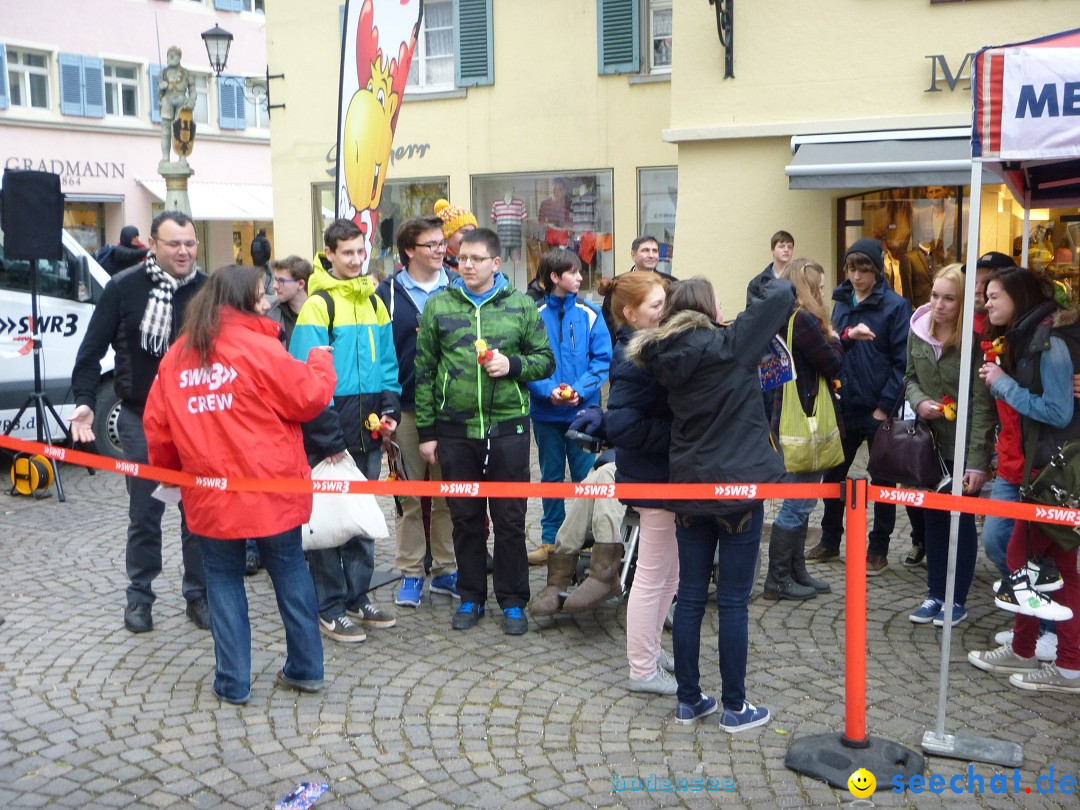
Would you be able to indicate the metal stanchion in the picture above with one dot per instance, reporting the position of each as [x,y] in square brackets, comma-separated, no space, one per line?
[833,758]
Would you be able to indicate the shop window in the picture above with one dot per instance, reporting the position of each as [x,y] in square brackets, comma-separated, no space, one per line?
[121,90]
[82,85]
[921,229]
[258,113]
[401,200]
[322,213]
[454,47]
[86,222]
[24,79]
[657,195]
[533,213]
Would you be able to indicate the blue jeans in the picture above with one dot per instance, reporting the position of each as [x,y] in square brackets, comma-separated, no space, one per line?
[342,575]
[997,530]
[143,557]
[795,512]
[283,559]
[739,539]
[936,537]
[555,452]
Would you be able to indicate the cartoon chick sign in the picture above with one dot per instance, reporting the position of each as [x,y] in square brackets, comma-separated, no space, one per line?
[379,38]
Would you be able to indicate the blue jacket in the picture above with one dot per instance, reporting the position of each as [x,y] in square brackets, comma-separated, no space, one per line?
[872,375]
[637,423]
[582,346]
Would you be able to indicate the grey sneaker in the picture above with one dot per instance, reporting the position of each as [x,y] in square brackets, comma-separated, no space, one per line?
[665,661]
[1003,659]
[372,615]
[342,629]
[661,683]
[1047,679]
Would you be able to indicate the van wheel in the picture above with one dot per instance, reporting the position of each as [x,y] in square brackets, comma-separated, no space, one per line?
[106,416]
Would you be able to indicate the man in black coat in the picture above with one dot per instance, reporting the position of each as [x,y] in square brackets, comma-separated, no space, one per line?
[139,315]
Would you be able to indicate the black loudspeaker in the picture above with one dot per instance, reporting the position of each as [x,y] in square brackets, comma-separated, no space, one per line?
[33,215]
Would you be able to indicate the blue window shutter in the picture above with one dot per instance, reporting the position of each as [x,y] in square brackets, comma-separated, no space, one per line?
[93,69]
[473,62]
[154,72]
[618,46]
[4,97]
[231,111]
[240,110]
[71,87]
[229,5]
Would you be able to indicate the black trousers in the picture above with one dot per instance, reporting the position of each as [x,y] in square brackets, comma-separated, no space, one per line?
[507,460]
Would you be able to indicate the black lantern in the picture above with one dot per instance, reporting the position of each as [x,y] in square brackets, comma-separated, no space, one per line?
[217,41]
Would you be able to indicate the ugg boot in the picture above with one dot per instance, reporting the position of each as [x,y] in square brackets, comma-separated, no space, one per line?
[778,581]
[560,571]
[798,563]
[603,579]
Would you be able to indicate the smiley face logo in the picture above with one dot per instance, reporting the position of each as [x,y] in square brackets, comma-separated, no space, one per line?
[862,784]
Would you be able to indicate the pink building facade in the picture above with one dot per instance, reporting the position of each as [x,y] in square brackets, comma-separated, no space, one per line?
[78,98]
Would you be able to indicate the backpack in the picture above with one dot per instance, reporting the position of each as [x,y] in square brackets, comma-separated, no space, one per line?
[330,309]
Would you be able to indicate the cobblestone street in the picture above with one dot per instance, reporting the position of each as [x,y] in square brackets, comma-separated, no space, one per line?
[421,716]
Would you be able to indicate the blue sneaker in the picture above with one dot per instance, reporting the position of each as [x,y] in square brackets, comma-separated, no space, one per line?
[467,616]
[446,584]
[926,612]
[688,713]
[750,717]
[959,613]
[514,622]
[409,592]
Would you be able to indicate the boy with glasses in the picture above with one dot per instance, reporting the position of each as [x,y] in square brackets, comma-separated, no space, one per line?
[290,280]
[480,342]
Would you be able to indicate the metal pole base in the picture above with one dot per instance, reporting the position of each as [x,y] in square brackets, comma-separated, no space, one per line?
[975,749]
[829,758]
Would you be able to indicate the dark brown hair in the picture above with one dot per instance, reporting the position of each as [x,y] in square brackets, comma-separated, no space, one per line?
[296,266]
[236,286]
[557,261]
[410,231]
[694,294]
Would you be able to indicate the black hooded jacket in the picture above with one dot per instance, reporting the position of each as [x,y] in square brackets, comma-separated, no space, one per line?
[719,432]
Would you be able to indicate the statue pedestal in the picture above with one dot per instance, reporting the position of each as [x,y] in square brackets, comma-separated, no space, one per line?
[176,176]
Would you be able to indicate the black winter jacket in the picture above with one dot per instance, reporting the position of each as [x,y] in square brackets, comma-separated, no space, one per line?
[116,321]
[120,257]
[638,422]
[872,375]
[719,432]
[755,290]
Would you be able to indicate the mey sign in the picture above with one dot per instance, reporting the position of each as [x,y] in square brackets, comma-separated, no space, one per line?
[1040,100]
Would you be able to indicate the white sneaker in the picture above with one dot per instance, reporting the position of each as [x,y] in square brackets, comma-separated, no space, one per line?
[1046,647]
[1003,637]
[666,662]
[662,683]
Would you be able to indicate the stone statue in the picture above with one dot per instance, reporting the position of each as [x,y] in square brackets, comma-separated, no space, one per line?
[176,92]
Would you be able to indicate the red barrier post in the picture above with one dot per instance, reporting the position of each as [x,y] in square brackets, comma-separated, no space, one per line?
[855,622]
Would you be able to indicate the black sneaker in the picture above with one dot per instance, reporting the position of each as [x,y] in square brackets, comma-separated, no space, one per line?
[466,616]
[198,610]
[915,557]
[251,564]
[137,618]
[514,622]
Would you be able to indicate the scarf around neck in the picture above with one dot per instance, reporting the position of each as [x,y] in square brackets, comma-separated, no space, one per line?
[155,330]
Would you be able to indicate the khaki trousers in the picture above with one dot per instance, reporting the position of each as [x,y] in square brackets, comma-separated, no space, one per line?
[411,543]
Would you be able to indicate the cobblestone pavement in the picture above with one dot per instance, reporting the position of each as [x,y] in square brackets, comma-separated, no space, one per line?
[421,716]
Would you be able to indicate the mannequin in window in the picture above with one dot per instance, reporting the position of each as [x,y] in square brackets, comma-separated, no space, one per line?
[935,224]
[892,225]
[507,214]
[176,92]
[555,211]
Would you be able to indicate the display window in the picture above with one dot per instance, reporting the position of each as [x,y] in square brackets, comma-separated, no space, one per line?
[86,222]
[533,213]
[401,199]
[658,191]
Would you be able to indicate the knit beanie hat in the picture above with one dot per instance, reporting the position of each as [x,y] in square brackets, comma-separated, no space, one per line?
[872,249]
[454,217]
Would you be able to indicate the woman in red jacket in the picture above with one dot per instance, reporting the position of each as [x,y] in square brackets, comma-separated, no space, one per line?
[227,403]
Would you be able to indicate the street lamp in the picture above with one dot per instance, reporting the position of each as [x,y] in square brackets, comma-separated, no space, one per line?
[218,41]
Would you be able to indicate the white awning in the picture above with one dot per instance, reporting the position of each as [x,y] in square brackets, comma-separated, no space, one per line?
[939,157]
[237,202]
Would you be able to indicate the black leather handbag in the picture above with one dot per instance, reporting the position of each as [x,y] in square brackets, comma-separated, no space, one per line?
[905,452]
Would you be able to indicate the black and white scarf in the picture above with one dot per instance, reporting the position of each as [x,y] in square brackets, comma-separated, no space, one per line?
[155,331]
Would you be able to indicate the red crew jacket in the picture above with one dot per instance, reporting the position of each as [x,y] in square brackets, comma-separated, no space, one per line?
[238,418]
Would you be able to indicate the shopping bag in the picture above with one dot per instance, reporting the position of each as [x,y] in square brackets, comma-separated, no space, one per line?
[336,517]
[810,443]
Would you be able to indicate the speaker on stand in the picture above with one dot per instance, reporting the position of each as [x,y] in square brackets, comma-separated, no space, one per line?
[32,214]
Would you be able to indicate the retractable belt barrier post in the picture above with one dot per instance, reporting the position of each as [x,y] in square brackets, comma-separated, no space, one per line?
[831,757]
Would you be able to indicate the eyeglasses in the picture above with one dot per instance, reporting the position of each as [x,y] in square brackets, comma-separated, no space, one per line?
[281,282]
[190,244]
[433,246]
[467,260]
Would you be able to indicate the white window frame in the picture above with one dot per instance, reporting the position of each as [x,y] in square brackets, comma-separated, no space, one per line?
[653,6]
[254,6]
[19,75]
[257,103]
[115,87]
[419,60]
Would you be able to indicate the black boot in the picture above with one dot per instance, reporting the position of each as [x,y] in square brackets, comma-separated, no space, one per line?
[798,563]
[778,581]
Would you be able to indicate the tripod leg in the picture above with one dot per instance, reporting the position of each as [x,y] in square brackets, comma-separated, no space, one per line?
[42,406]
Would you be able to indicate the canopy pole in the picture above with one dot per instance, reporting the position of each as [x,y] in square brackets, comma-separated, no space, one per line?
[1025,244]
[937,741]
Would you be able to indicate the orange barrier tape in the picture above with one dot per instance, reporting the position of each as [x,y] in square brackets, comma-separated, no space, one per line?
[975,506]
[468,489]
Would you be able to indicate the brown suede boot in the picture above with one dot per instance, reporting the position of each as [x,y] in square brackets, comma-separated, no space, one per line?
[603,579]
[560,571]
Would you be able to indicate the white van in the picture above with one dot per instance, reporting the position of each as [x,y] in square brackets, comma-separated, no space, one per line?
[67,292]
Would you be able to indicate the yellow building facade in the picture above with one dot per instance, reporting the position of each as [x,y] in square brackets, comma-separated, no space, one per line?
[843,119]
